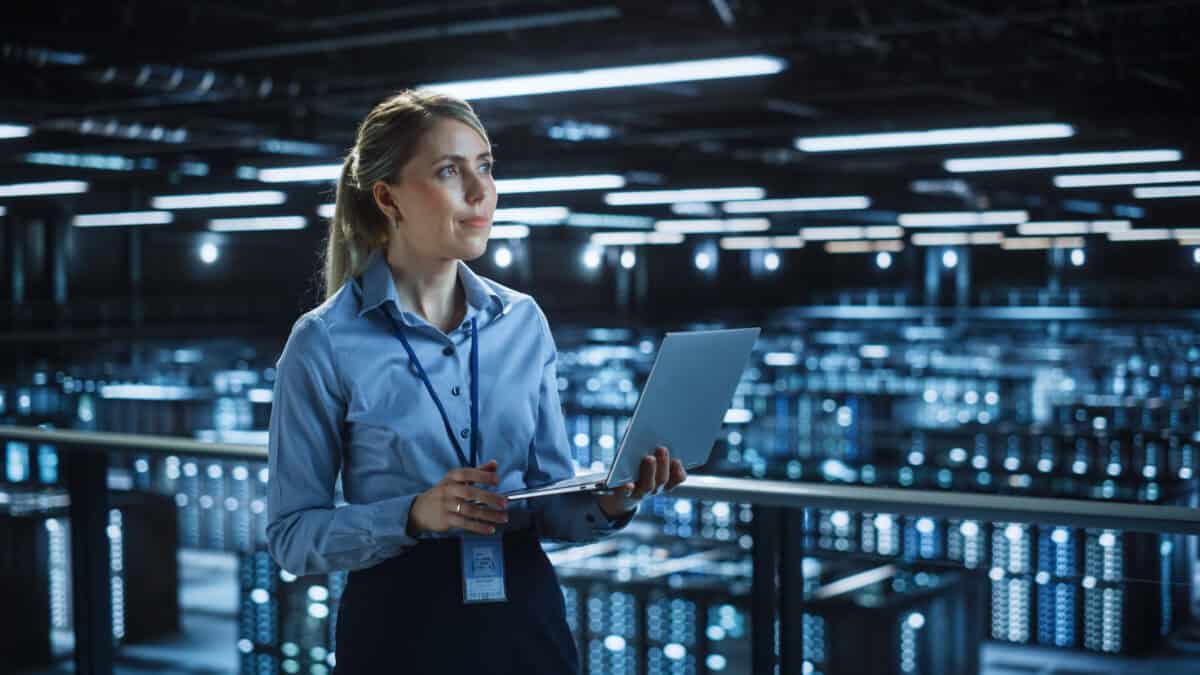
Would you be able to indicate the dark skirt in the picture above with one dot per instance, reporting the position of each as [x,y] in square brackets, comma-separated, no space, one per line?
[406,615]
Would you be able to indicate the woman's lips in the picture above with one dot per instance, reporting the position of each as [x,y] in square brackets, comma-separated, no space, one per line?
[477,222]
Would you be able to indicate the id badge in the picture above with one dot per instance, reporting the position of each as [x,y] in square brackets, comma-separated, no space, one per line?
[483,569]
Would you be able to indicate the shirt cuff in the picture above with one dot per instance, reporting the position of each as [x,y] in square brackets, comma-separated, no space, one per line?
[601,523]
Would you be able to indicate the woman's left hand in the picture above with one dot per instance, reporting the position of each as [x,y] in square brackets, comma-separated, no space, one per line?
[658,473]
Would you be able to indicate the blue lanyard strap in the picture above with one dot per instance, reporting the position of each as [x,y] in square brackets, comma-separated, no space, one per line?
[412,357]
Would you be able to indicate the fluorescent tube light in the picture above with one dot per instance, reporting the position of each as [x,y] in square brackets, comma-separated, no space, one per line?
[910,139]
[1166,192]
[326,210]
[91,161]
[1149,234]
[1186,233]
[509,186]
[985,238]
[219,199]
[761,243]
[54,187]
[1106,226]
[1040,243]
[297,174]
[608,78]
[848,203]
[883,232]
[890,245]
[973,164]
[14,130]
[609,220]
[713,226]
[539,215]
[124,218]
[691,195]
[635,238]
[1065,227]
[963,218]
[1054,228]
[1025,243]
[957,238]
[257,224]
[695,209]
[3,210]
[509,232]
[848,247]
[1142,178]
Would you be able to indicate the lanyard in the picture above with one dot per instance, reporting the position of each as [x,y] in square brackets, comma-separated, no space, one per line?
[412,357]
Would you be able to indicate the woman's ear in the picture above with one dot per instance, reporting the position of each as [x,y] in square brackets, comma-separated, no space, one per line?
[386,202]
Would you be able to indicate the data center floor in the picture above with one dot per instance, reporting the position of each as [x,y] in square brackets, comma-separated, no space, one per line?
[209,599]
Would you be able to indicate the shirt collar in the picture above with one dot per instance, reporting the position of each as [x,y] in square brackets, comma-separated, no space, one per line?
[378,287]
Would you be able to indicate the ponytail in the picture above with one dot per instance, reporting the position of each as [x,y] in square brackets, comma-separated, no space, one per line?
[354,217]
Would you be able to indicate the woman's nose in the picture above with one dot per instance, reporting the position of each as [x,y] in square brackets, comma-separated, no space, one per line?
[476,188]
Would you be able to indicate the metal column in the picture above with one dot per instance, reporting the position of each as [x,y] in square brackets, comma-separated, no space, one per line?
[764,593]
[87,484]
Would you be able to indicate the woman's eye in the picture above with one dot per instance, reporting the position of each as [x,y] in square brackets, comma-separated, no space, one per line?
[486,167]
[447,171]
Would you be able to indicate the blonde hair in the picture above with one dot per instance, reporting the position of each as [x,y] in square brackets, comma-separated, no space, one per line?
[386,141]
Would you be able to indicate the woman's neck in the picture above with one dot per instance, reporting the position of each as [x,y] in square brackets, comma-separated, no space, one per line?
[428,287]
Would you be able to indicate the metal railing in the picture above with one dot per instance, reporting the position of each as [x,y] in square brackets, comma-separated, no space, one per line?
[84,462]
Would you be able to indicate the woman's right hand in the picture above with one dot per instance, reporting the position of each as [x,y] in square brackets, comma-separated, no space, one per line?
[455,503]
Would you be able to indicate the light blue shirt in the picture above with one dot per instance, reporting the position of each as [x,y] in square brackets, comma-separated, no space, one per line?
[348,403]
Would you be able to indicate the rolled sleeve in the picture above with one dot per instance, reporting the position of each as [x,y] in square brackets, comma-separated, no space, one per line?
[306,532]
[568,517]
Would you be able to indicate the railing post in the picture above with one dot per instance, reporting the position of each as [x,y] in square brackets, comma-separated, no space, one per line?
[764,591]
[87,484]
[791,591]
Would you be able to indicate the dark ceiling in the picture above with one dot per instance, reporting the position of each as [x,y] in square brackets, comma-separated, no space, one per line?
[285,83]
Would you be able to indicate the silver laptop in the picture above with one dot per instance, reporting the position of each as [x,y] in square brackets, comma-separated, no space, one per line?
[682,407]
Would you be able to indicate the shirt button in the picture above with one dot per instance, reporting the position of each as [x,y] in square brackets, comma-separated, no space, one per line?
[455,391]
[465,433]
[448,351]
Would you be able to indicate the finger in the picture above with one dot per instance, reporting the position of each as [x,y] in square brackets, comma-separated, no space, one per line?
[645,483]
[663,470]
[469,475]
[474,494]
[678,474]
[485,514]
[470,525]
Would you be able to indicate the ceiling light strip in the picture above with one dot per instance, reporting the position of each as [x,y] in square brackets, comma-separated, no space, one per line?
[260,224]
[687,195]
[1137,178]
[933,137]
[962,218]
[122,219]
[761,243]
[1058,161]
[843,203]
[612,77]
[219,200]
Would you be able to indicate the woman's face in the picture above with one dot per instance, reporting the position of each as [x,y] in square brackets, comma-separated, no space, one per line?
[445,196]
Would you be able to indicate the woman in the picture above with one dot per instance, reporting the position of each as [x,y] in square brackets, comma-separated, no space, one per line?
[431,391]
